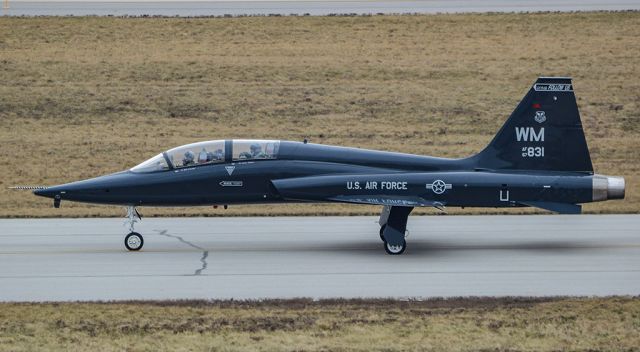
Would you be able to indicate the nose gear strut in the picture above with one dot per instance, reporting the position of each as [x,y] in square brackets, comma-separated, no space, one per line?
[133,241]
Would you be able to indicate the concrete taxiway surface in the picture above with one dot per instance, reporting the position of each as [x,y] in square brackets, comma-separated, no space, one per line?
[84,259]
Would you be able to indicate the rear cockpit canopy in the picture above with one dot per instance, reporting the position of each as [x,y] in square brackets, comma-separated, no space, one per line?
[195,154]
[210,152]
[248,149]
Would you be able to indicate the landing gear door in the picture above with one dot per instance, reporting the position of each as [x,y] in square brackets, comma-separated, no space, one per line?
[384,215]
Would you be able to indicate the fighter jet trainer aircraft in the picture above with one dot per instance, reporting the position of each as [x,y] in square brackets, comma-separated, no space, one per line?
[539,158]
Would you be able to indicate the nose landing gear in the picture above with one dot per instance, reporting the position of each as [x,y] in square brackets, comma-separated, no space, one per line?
[133,241]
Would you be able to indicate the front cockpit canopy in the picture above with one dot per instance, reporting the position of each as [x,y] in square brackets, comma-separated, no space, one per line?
[193,154]
[157,163]
[210,152]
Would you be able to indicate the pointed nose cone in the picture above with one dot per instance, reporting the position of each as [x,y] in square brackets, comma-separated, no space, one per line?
[94,190]
[49,192]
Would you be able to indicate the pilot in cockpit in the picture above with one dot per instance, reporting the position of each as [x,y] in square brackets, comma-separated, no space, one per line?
[218,154]
[203,156]
[256,151]
[215,156]
[188,159]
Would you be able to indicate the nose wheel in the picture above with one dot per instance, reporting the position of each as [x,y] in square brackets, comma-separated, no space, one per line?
[133,241]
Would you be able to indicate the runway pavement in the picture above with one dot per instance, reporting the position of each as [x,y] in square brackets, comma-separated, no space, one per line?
[84,259]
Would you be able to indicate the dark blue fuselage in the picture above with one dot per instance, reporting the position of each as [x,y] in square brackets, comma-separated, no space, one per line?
[319,173]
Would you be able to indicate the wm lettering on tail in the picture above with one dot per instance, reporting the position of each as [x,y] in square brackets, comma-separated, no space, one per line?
[529,134]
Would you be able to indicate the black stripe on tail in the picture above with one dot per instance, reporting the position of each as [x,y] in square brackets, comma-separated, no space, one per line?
[544,132]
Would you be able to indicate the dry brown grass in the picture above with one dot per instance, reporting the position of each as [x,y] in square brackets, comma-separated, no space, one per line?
[82,97]
[486,324]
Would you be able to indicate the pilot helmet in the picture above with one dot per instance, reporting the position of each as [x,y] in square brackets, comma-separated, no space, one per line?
[256,148]
[189,156]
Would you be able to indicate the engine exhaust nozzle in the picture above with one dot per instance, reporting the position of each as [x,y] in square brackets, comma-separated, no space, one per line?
[608,187]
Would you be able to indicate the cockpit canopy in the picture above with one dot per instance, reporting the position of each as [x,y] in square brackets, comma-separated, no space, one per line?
[196,154]
[157,163]
[246,149]
[210,152]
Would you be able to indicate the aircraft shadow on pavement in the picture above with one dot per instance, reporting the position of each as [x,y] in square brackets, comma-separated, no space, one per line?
[445,247]
[428,248]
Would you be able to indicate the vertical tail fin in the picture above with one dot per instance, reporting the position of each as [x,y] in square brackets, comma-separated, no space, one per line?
[544,132]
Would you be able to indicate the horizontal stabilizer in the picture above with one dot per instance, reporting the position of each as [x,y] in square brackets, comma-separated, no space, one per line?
[561,208]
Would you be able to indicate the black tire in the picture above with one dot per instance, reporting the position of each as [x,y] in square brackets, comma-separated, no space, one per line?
[382,231]
[134,241]
[395,251]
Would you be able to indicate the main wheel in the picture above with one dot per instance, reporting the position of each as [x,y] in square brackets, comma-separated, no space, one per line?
[395,250]
[133,241]
[382,231]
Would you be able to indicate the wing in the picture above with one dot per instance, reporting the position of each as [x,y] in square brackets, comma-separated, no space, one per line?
[561,208]
[344,189]
[393,200]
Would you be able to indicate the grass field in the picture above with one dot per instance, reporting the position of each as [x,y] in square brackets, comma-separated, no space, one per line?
[478,324]
[80,97]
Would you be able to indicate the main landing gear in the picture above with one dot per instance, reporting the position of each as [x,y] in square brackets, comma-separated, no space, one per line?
[393,225]
[389,248]
[133,241]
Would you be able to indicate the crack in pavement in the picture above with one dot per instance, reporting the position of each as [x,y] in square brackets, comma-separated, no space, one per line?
[205,253]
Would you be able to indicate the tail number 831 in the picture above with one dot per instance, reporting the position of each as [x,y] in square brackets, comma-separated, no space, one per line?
[532,152]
